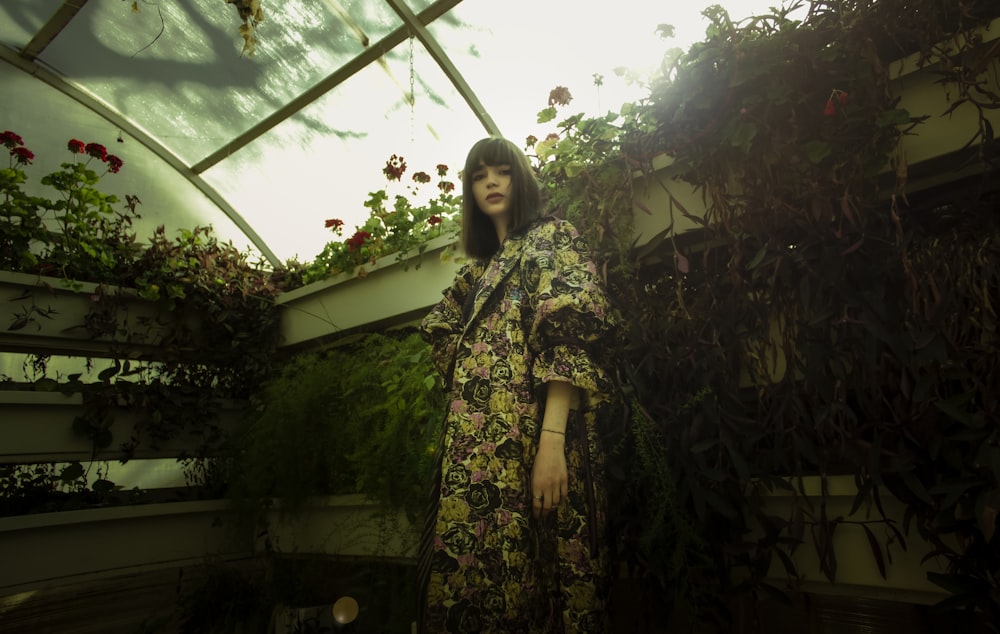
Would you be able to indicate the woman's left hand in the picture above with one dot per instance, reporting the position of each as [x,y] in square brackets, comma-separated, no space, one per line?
[549,477]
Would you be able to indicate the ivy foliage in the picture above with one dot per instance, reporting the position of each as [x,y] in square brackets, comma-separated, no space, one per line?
[826,318]
[360,418]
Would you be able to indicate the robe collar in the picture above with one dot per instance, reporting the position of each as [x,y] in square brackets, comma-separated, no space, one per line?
[499,268]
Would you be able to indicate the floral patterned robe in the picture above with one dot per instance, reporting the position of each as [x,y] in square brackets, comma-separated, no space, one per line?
[533,313]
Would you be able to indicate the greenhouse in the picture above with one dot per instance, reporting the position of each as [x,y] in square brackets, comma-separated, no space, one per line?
[229,228]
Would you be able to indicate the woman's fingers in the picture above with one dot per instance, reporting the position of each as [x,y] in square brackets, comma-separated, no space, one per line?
[542,503]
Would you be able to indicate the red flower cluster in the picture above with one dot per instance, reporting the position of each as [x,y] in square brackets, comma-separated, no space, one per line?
[530,141]
[838,99]
[358,240]
[394,168]
[442,169]
[552,136]
[114,163]
[446,186]
[97,150]
[334,223]
[434,220]
[75,146]
[15,144]
[22,155]
[560,96]
[10,140]
[421,177]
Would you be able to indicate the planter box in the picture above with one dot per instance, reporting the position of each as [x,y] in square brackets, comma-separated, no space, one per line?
[89,545]
[385,294]
[345,526]
[38,427]
[42,315]
[928,149]
[857,572]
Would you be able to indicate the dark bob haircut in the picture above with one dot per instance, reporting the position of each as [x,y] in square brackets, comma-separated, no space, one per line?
[479,236]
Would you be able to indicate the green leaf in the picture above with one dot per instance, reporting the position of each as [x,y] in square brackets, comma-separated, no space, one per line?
[546,115]
[876,550]
[71,472]
[816,151]
[892,117]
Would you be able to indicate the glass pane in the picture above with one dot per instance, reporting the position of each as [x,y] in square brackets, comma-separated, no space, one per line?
[323,162]
[175,67]
[47,119]
[512,57]
[21,19]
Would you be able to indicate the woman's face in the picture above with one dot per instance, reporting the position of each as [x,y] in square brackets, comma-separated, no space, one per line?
[491,187]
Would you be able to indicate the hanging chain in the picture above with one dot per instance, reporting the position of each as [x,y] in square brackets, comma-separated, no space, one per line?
[413,95]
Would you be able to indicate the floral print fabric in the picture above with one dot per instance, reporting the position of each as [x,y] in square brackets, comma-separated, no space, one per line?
[534,313]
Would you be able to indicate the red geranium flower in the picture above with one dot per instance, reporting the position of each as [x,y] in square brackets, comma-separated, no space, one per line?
[75,146]
[531,140]
[11,140]
[552,136]
[358,240]
[830,109]
[843,98]
[446,186]
[394,168]
[421,177]
[334,223]
[114,163]
[442,169]
[97,150]
[22,155]
[434,220]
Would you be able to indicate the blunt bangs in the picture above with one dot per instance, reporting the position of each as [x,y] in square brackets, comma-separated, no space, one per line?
[478,234]
[492,151]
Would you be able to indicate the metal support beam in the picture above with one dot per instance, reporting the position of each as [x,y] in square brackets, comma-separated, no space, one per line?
[369,55]
[63,15]
[432,46]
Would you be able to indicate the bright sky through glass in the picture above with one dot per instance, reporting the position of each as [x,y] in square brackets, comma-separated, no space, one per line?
[511,54]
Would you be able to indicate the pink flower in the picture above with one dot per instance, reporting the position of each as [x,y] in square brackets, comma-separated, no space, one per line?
[22,155]
[97,151]
[114,163]
[10,140]
[75,146]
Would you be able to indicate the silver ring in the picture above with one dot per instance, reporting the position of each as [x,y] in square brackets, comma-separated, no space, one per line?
[539,497]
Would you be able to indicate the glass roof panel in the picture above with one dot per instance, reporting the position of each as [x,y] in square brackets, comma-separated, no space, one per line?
[323,162]
[21,19]
[175,68]
[513,57]
[47,119]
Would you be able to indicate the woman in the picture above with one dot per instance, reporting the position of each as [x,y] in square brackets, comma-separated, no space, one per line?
[515,538]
